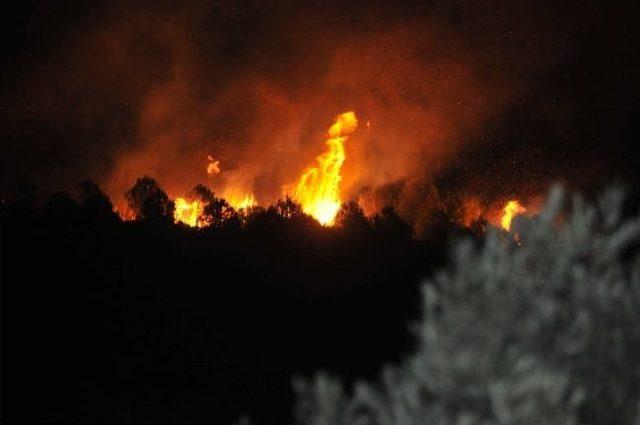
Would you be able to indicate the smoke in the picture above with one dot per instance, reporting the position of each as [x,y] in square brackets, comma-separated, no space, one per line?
[418,97]
[126,90]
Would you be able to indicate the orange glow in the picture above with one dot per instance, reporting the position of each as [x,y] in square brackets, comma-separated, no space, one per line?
[187,212]
[213,165]
[510,210]
[124,212]
[318,189]
[472,211]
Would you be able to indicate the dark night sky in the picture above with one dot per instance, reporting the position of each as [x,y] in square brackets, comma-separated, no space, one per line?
[561,80]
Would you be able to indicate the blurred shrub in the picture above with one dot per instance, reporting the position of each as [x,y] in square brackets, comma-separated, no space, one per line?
[538,326]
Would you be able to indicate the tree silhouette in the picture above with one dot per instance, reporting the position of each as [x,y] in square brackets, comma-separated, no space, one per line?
[61,207]
[249,214]
[202,193]
[288,208]
[216,212]
[150,202]
[21,200]
[390,224]
[541,331]
[352,218]
[276,272]
[94,203]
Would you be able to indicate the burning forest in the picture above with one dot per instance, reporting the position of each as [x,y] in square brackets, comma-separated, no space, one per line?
[318,191]
[230,212]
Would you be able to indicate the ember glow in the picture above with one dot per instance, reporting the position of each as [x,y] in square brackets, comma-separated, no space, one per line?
[318,189]
[213,165]
[510,210]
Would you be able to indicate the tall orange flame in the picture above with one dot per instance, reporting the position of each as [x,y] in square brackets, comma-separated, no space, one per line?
[510,210]
[318,189]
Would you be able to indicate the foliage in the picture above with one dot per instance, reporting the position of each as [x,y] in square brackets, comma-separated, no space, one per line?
[216,211]
[539,326]
[350,216]
[94,202]
[287,208]
[150,202]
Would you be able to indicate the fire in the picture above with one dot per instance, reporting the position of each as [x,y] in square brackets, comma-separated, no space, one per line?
[187,212]
[124,212]
[318,189]
[239,203]
[510,210]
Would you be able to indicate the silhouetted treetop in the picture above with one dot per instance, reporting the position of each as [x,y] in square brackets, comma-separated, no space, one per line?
[202,193]
[94,202]
[288,208]
[351,217]
[61,207]
[216,212]
[150,202]
[390,223]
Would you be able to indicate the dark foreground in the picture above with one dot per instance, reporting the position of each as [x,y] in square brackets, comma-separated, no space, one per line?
[113,322]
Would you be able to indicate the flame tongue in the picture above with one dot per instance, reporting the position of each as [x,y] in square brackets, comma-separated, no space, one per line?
[510,210]
[318,189]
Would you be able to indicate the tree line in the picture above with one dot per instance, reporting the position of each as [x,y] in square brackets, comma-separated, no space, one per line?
[149,321]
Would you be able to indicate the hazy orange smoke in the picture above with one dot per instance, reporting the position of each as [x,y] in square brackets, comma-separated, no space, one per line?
[249,132]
